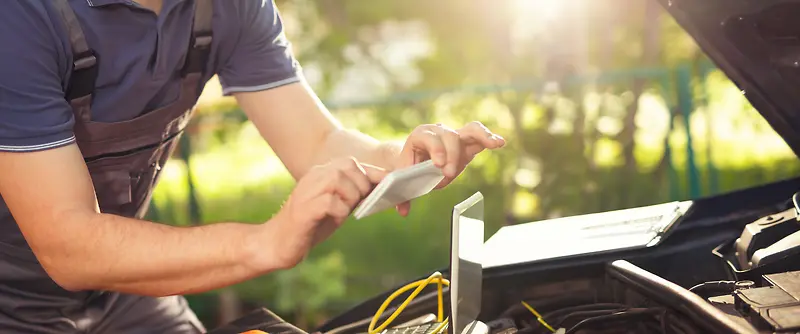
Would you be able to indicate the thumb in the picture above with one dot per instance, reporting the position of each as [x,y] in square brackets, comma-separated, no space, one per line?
[375,174]
[404,208]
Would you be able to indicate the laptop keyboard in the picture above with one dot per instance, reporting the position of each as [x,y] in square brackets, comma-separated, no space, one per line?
[419,329]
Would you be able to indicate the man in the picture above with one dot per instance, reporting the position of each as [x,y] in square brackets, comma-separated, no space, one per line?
[93,96]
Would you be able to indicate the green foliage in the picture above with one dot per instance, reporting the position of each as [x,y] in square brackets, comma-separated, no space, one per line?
[304,292]
[312,284]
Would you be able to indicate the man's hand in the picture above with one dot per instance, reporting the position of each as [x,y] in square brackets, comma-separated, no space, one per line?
[322,200]
[452,150]
[309,135]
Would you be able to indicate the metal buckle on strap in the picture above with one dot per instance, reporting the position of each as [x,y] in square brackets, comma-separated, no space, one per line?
[84,73]
[85,62]
[202,42]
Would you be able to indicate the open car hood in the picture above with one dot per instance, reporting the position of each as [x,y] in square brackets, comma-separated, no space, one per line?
[757,45]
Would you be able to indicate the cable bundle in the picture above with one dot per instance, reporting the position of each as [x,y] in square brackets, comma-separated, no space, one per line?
[607,318]
[419,285]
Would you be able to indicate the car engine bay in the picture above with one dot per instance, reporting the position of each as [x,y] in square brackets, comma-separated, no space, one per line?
[732,265]
[632,300]
[758,292]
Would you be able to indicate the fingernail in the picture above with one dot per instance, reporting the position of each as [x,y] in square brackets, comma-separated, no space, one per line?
[451,171]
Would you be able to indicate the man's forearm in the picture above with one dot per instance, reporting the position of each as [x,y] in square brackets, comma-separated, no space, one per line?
[347,142]
[303,133]
[106,252]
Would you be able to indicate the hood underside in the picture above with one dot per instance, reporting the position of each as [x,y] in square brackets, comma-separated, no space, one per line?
[757,44]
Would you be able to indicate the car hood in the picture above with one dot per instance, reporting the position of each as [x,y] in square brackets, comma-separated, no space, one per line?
[757,45]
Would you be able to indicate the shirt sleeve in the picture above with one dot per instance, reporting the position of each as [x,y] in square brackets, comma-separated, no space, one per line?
[262,57]
[34,115]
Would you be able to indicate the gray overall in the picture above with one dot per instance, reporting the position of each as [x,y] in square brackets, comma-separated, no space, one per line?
[124,160]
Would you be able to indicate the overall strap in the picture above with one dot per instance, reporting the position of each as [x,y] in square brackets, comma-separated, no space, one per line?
[84,66]
[200,43]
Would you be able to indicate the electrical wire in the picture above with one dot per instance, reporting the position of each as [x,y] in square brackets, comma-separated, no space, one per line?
[592,314]
[419,285]
[555,316]
[632,313]
[538,316]
[543,304]
[655,319]
[580,315]
[587,307]
[708,289]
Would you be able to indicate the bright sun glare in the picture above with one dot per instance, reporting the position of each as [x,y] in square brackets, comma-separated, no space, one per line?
[540,9]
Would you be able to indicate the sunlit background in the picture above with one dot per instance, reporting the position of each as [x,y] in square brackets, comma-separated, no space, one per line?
[605,105]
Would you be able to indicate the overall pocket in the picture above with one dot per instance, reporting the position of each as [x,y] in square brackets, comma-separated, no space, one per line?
[115,177]
[123,182]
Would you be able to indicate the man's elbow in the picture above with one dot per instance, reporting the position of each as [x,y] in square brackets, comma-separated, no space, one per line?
[63,252]
[67,275]
[70,282]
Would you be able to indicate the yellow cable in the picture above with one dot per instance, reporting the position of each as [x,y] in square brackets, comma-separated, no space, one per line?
[441,303]
[538,317]
[419,285]
[441,327]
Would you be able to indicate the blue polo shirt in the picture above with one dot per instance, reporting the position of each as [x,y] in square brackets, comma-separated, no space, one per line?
[140,56]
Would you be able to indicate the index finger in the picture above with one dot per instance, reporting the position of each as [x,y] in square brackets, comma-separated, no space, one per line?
[428,139]
[374,173]
[476,131]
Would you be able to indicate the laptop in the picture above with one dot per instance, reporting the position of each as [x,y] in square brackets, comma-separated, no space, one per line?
[466,273]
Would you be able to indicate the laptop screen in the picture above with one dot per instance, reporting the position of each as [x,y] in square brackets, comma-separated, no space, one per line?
[466,258]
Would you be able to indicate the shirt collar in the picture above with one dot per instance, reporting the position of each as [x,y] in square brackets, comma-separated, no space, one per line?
[101,3]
